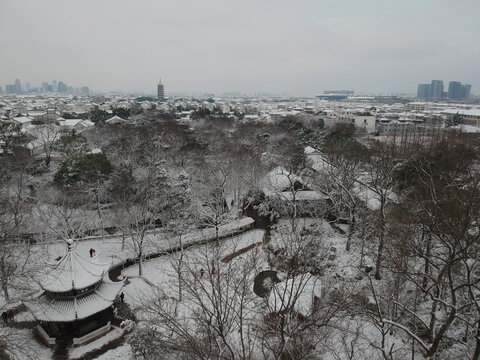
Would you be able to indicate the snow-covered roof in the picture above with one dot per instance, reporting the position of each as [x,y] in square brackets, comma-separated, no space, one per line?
[115,120]
[87,123]
[36,113]
[69,122]
[471,112]
[73,272]
[317,162]
[310,150]
[23,119]
[298,292]
[309,195]
[44,308]
[279,179]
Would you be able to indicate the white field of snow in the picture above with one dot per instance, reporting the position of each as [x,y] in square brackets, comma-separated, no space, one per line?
[161,273]
[78,352]
[123,352]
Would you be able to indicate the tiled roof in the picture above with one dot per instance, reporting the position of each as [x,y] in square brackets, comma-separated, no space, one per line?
[73,272]
[74,308]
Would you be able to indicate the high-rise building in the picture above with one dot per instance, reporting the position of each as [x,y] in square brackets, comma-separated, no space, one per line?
[10,88]
[160,91]
[454,88]
[423,91]
[458,91]
[18,86]
[436,90]
[465,91]
[62,87]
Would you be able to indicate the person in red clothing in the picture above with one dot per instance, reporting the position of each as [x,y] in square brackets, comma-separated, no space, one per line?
[213,270]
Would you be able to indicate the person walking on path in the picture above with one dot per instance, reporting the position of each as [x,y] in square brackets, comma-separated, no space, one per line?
[202,272]
[4,317]
[92,252]
[122,297]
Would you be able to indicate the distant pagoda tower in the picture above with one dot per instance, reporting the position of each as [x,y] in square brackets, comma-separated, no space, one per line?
[77,297]
[160,91]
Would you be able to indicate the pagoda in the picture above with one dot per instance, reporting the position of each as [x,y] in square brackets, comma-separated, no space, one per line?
[77,298]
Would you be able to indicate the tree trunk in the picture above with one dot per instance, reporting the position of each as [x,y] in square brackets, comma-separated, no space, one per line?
[140,270]
[180,271]
[97,197]
[476,354]
[433,319]
[427,260]
[362,249]
[5,293]
[351,229]
[381,244]
[378,262]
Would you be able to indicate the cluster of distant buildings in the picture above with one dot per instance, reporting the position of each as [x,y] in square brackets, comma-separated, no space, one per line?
[435,92]
[380,115]
[55,87]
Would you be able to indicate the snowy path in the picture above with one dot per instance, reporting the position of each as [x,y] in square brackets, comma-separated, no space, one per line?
[155,242]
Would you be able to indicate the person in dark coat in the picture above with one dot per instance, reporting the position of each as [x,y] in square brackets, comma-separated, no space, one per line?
[122,297]
[91,252]
[202,272]
[4,317]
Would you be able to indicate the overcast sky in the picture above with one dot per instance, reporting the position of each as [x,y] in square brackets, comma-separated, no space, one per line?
[296,47]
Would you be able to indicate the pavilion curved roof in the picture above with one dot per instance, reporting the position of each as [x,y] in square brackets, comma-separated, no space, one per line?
[68,309]
[73,272]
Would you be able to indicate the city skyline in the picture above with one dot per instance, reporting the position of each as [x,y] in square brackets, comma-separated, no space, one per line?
[20,87]
[246,47]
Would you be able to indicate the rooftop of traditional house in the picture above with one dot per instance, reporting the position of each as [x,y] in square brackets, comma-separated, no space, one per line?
[74,288]
[73,272]
[64,309]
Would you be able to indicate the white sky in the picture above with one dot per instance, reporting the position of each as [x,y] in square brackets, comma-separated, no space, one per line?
[296,47]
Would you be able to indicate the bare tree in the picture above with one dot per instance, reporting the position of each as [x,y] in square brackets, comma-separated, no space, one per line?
[379,180]
[443,202]
[209,194]
[343,170]
[216,315]
[47,134]
[14,259]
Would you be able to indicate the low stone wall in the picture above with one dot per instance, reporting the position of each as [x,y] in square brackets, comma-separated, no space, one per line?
[49,341]
[92,336]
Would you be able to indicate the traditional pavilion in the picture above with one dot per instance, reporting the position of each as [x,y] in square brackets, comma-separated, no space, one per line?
[77,297]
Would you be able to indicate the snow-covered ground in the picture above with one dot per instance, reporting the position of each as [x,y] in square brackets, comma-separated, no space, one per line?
[78,352]
[123,352]
[160,273]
